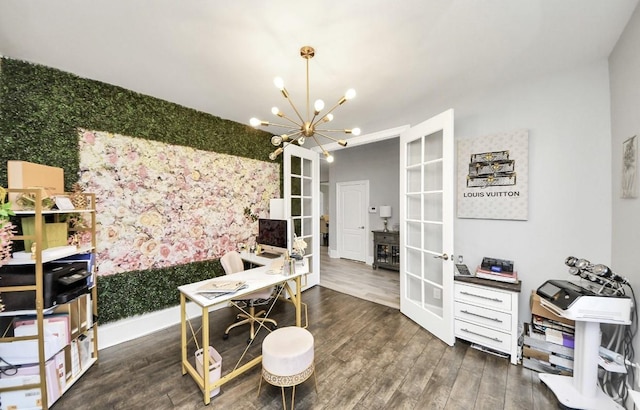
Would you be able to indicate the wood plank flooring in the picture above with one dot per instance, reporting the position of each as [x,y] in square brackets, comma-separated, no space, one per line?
[368,356]
[360,280]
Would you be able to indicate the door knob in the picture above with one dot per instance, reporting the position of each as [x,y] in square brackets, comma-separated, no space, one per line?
[443,256]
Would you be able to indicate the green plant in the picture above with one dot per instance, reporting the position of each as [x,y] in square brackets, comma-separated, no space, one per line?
[39,103]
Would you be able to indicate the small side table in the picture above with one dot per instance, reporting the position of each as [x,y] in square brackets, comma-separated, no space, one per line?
[386,250]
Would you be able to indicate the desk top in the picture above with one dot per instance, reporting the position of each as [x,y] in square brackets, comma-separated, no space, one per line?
[256,279]
[259,260]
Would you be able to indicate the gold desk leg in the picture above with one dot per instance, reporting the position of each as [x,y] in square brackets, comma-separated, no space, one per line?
[205,355]
[183,331]
[297,302]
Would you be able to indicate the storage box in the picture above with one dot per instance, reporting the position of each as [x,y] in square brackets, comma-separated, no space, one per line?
[537,309]
[22,174]
[215,367]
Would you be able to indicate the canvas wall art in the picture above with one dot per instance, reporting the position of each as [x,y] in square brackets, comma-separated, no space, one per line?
[493,176]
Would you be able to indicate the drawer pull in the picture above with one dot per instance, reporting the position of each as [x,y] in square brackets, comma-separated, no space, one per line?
[495,319]
[481,296]
[495,339]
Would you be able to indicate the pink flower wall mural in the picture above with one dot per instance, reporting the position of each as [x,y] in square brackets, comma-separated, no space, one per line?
[162,205]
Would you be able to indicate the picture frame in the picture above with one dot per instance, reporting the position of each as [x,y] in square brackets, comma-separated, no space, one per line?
[629,167]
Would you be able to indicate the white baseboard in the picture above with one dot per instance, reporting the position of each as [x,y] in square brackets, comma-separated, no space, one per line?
[334,254]
[111,334]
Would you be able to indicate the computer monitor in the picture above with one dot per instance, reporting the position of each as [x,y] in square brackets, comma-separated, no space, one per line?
[273,235]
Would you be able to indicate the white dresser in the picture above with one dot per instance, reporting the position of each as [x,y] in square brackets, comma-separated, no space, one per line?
[486,313]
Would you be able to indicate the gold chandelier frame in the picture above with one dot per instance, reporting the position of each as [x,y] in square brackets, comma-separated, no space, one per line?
[302,129]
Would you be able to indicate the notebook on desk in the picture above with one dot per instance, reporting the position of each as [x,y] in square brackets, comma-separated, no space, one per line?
[223,286]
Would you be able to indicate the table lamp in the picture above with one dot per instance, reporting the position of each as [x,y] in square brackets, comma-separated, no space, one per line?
[385,212]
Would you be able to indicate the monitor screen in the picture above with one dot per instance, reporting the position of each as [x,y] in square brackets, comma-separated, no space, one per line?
[273,235]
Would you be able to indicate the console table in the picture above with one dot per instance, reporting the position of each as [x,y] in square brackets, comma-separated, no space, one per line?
[386,250]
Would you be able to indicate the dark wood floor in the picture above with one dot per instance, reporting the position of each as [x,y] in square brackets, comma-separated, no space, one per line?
[368,356]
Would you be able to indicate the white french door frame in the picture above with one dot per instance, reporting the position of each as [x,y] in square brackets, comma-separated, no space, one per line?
[427,175]
[307,196]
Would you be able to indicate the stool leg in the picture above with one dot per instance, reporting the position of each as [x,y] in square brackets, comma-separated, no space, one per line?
[315,379]
[260,386]
[293,396]
[284,400]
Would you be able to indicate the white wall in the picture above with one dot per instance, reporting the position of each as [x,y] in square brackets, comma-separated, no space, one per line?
[624,66]
[567,115]
[378,163]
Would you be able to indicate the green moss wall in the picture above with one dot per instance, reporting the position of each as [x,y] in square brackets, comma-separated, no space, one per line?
[40,111]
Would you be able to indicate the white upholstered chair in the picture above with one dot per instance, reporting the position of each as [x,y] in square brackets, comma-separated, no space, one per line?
[232,263]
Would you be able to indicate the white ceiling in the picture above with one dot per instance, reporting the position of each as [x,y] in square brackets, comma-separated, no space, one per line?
[407,59]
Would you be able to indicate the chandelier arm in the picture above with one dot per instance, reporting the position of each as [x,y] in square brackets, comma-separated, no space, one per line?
[285,126]
[339,141]
[324,151]
[293,137]
[327,136]
[297,125]
[294,107]
[342,100]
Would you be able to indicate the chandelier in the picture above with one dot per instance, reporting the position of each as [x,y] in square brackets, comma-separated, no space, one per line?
[300,128]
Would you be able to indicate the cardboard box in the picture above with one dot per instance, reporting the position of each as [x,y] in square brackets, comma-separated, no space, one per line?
[22,174]
[538,309]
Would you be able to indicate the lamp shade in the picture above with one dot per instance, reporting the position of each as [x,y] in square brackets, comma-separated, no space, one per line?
[385,211]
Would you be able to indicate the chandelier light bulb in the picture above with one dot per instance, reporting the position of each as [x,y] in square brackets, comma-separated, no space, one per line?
[328,157]
[318,106]
[276,111]
[276,140]
[275,154]
[301,140]
[255,122]
[279,83]
[328,118]
[350,94]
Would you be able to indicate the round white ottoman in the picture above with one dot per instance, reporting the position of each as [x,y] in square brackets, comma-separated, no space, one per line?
[287,359]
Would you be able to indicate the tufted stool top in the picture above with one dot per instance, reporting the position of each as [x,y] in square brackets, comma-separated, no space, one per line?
[288,352]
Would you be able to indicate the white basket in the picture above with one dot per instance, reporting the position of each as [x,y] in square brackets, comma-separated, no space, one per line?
[215,367]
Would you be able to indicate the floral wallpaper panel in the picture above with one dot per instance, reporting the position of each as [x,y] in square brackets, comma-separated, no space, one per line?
[162,205]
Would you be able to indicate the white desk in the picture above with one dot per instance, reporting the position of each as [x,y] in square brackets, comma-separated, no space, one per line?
[257,278]
[258,260]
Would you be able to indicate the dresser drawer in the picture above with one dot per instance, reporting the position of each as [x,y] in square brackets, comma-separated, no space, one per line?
[387,238]
[483,316]
[483,296]
[486,337]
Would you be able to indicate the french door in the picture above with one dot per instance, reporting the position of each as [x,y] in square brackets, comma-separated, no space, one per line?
[426,225]
[302,203]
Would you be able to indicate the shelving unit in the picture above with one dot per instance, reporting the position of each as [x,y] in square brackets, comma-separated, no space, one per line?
[386,250]
[63,358]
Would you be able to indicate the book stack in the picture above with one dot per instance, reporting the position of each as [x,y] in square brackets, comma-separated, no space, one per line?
[548,344]
[500,270]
